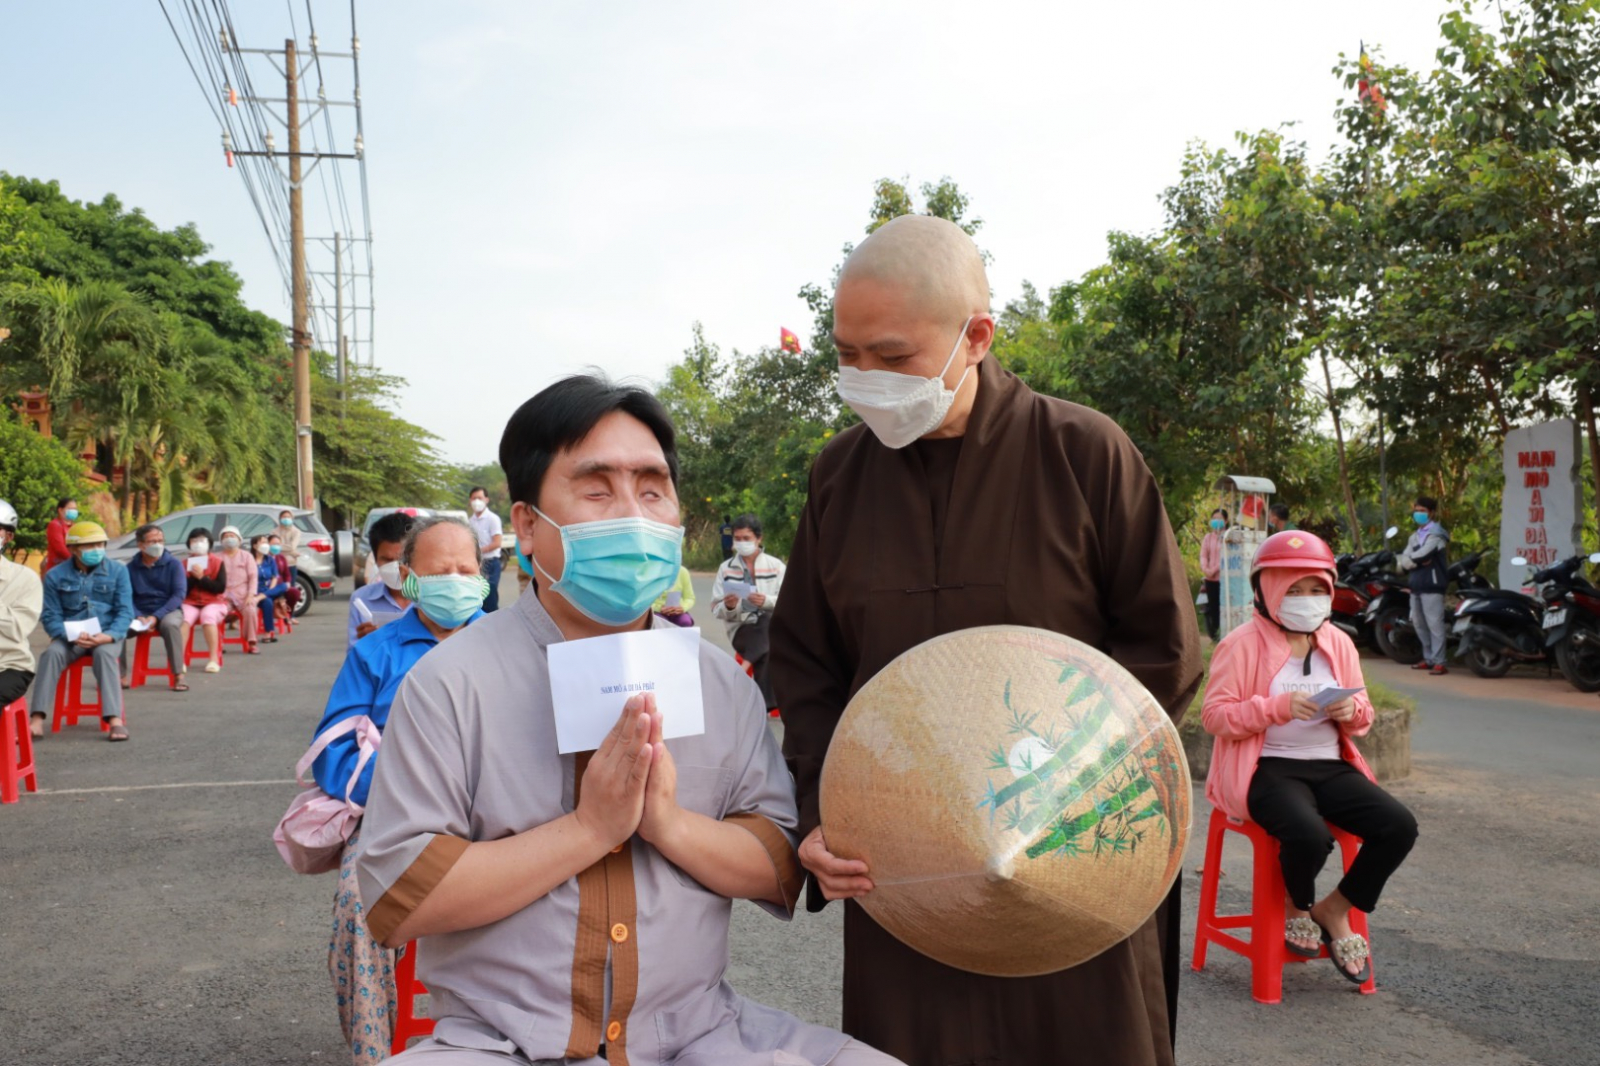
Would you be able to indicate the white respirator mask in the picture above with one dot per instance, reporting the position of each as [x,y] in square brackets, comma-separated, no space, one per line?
[1305,614]
[901,408]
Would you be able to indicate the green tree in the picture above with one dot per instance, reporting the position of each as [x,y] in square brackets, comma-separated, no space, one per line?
[34,474]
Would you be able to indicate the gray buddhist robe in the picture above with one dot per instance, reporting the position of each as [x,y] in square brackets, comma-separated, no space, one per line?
[630,953]
[1044,514]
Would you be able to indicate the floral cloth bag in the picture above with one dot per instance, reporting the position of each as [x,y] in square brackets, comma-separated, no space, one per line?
[313,830]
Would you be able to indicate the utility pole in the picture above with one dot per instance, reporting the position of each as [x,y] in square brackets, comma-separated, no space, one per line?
[297,270]
[338,315]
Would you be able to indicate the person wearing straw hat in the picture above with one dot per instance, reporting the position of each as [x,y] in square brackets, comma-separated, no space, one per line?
[1288,762]
[966,500]
[88,604]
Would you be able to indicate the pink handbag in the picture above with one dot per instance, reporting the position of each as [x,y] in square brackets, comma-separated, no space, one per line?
[312,832]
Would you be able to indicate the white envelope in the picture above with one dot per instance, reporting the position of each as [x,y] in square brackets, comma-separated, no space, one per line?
[741,589]
[591,679]
[88,627]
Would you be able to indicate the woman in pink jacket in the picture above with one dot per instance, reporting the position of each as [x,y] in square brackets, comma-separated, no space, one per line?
[1287,765]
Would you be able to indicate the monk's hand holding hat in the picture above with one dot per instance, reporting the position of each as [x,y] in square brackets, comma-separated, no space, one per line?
[611,801]
[838,878]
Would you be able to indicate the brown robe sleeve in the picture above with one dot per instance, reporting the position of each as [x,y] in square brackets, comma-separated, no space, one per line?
[811,667]
[1152,630]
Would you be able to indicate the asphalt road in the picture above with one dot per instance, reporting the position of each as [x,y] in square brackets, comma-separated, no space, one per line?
[148,920]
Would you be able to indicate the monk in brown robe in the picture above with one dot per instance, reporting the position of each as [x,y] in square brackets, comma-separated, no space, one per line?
[968,500]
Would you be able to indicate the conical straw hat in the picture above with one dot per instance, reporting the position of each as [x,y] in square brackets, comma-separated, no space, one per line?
[1020,800]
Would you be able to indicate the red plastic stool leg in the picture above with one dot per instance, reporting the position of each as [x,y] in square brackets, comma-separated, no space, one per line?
[407,989]
[17,772]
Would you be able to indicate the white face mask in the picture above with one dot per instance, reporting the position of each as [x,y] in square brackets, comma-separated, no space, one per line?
[230,543]
[746,548]
[479,506]
[390,573]
[900,408]
[1305,614]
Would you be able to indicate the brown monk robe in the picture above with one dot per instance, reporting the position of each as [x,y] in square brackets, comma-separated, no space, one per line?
[1042,514]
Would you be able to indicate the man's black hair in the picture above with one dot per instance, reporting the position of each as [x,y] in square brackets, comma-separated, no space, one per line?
[1280,510]
[1429,502]
[64,501]
[390,529]
[562,415]
[747,521]
[474,490]
[144,531]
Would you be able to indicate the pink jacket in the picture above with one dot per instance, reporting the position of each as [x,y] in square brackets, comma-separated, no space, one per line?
[1211,556]
[1237,709]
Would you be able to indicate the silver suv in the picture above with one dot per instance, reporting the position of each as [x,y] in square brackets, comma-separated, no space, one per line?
[324,556]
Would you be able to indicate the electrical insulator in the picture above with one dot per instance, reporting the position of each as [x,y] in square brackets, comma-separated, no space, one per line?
[313,44]
[233,96]
[355,46]
[227,147]
[359,147]
[270,146]
[222,35]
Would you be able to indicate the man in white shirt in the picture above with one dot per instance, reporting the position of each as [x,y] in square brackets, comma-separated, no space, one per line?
[486,524]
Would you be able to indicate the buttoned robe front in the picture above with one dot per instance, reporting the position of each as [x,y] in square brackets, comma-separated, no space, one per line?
[630,953]
[1043,514]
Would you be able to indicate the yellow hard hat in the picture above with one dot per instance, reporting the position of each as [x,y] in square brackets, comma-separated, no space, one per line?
[85,533]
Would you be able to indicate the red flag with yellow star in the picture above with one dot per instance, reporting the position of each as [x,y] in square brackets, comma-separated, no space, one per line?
[788,341]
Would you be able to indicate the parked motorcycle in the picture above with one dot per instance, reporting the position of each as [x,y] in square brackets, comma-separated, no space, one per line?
[1390,610]
[1572,623]
[1360,579]
[1497,628]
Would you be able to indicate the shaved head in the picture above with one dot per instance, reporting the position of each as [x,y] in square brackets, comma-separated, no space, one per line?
[932,262]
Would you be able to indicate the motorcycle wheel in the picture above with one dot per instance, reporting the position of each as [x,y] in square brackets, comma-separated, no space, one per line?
[1401,645]
[1486,662]
[1580,665]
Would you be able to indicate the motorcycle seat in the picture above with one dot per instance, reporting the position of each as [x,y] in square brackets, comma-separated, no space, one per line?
[1503,596]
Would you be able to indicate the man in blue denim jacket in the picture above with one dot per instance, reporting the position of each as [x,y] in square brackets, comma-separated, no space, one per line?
[88,586]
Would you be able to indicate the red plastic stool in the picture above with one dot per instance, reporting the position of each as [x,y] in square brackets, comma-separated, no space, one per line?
[222,633]
[1265,948]
[70,704]
[750,672]
[16,749]
[190,655]
[142,670]
[407,989]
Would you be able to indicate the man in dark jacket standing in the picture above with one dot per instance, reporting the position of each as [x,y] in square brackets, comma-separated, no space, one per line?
[1425,558]
[159,585]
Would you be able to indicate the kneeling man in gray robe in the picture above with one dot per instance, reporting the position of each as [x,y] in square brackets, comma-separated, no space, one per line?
[574,908]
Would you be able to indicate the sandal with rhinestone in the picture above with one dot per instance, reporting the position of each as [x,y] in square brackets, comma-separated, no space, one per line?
[1347,950]
[1302,928]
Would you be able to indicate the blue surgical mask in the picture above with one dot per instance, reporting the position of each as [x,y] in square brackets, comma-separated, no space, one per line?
[448,599]
[275,548]
[616,567]
[70,514]
[93,557]
[1420,517]
[286,521]
[1217,523]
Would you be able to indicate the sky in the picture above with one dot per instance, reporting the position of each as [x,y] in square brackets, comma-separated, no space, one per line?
[563,185]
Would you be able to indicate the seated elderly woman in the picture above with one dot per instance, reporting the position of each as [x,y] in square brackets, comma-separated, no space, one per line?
[204,603]
[243,578]
[1290,765]
[270,585]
